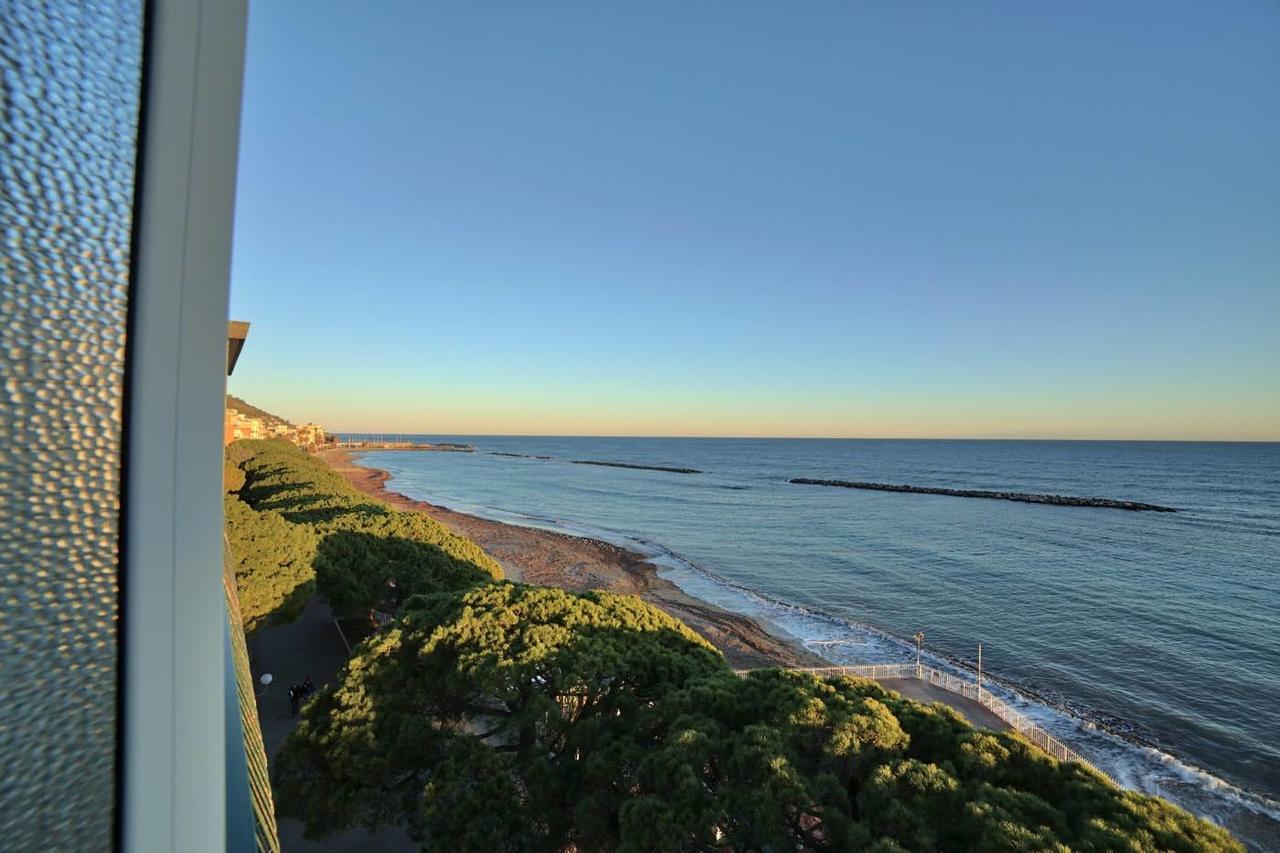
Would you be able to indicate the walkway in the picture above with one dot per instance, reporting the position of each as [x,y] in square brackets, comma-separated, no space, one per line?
[923,691]
[308,646]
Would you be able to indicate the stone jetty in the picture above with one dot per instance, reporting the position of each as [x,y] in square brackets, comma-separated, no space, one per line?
[638,467]
[1021,497]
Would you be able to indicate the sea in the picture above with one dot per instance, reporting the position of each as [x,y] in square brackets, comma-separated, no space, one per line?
[1148,642]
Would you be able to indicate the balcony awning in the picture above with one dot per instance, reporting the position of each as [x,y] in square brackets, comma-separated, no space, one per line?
[237,331]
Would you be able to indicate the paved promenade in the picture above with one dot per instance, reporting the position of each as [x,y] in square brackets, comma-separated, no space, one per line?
[309,646]
[923,691]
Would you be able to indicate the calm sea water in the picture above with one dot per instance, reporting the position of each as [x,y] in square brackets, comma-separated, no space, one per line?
[1148,642]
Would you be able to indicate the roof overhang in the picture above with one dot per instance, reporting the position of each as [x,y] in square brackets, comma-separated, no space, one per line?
[237,331]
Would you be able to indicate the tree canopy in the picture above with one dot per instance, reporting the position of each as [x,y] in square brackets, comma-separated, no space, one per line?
[295,526]
[524,673]
[232,477]
[272,560]
[511,717]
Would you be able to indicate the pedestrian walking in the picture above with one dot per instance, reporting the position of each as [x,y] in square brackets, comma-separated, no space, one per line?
[294,692]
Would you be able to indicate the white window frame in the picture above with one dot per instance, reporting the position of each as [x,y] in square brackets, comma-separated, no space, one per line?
[173,792]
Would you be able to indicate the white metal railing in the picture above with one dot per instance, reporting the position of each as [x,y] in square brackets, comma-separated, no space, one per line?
[968,689]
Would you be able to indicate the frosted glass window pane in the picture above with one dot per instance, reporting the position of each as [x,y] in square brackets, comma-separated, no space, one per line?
[70,97]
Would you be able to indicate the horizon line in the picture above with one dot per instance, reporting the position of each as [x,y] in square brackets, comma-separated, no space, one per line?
[812,437]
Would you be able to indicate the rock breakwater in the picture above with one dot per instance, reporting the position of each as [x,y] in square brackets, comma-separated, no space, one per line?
[1020,497]
[638,467]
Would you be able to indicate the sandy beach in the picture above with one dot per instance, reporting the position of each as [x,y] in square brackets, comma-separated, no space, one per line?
[578,563]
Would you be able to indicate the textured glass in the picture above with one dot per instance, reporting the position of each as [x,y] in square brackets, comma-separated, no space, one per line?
[69,94]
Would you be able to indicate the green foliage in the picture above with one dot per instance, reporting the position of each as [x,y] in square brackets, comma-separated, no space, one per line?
[232,477]
[766,761]
[238,452]
[511,717]
[295,526]
[473,780]
[370,555]
[272,560]
[360,571]
[533,674]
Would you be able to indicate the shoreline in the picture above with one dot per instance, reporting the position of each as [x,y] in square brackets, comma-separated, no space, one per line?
[580,564]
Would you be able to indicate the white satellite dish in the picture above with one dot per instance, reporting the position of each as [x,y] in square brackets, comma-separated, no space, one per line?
[265,679]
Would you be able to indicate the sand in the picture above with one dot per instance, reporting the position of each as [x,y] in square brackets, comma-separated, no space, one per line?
[579,564]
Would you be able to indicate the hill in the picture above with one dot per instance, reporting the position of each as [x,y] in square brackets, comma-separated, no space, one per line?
[252,411]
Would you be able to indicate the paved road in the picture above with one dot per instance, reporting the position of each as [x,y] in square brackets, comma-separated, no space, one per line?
[309,646]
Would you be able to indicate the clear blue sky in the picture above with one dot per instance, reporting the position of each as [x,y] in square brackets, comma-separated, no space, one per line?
[750,218]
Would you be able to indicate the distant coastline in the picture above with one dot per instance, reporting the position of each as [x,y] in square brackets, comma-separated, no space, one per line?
[1020,497]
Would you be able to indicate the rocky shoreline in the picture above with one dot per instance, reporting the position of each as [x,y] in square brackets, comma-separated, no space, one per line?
[1020,497]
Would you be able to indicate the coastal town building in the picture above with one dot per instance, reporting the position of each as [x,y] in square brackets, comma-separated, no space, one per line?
[310,435]
[237,425]
[228,426]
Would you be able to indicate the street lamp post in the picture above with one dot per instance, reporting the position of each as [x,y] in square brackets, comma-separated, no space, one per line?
[919,645]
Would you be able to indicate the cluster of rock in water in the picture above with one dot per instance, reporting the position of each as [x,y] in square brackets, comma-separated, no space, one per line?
[1021,497]
[638,467]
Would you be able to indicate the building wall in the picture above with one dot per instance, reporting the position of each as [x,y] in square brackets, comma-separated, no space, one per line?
[260,799]
[72,76]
